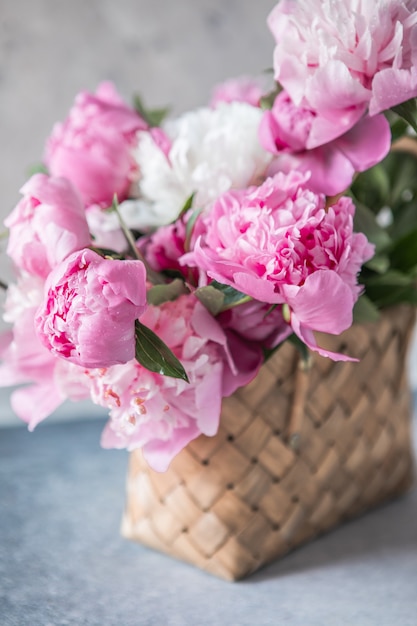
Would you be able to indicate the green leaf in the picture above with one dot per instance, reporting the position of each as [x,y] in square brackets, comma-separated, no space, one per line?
[365,311]
[126,231]
[398,130]
[37,168]
[301,347]
[390,288]
[403,253]
[271,308]
[154,277]
[211,298]
[153,117]
[401,168]
[190,227]
[154,354]
[107,253]
[372,188]
[266,102]
[365,222]
[232,297]
[187,205]
[380,263]
[408,111]
[391,278]
[163,293]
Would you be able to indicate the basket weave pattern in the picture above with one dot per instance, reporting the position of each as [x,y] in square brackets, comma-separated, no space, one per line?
[297,453]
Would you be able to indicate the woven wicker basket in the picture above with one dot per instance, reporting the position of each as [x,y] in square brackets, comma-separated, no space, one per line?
[297,453]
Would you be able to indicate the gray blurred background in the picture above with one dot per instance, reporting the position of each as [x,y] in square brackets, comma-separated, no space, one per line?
[171,52]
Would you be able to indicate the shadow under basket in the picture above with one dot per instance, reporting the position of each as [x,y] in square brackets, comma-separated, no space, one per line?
[298,452]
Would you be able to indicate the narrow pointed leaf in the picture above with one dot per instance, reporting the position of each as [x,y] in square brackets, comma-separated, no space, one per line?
[232,297]
[403,254]
[408,111]
[163,293]
[153,117]
[365,311]
[187,205]
[301,347]
[391,288]
[365,222]
[211,298]
[37,168]
[153,354]
[190,226]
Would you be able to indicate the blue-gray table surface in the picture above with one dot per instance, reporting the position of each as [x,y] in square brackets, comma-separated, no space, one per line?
[63,562]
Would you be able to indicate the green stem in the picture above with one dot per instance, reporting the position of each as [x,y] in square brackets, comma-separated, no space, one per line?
[153,276]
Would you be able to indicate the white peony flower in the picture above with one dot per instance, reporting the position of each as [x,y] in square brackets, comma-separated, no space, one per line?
[25,294]
[212,151]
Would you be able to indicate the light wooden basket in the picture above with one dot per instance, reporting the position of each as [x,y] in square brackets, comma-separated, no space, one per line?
[297,453]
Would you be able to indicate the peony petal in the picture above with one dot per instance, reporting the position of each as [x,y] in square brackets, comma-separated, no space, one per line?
[36,402]
[330,171]
[268,133]
[367,143]
[323,303]
[306,335]
[391,87]
[248,358]
[159,454]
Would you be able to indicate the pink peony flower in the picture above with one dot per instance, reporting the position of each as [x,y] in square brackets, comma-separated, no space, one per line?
[278,244]
[93,147]
[165,246]
[286,131]
[161,414]
[242,89]
[90,307]
[48,381]
[47,225]
[340,57]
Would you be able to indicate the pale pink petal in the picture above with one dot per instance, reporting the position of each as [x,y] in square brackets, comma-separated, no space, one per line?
[47,225]
[391,87]
[367,143]
[268,133]
[89,309]
[306,335]
[93,147]
[159,454]
[323,303]
[330,171]
[248,358]
[36,402]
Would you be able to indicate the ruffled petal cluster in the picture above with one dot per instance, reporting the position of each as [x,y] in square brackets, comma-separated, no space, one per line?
[47,225]
[280,245]
[287,131]
[93,146]
[211,151]
[45,380]
[340,58]
[89,309]
[161,414]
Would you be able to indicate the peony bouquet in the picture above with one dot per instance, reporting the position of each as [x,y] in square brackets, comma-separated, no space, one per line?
[159,262]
